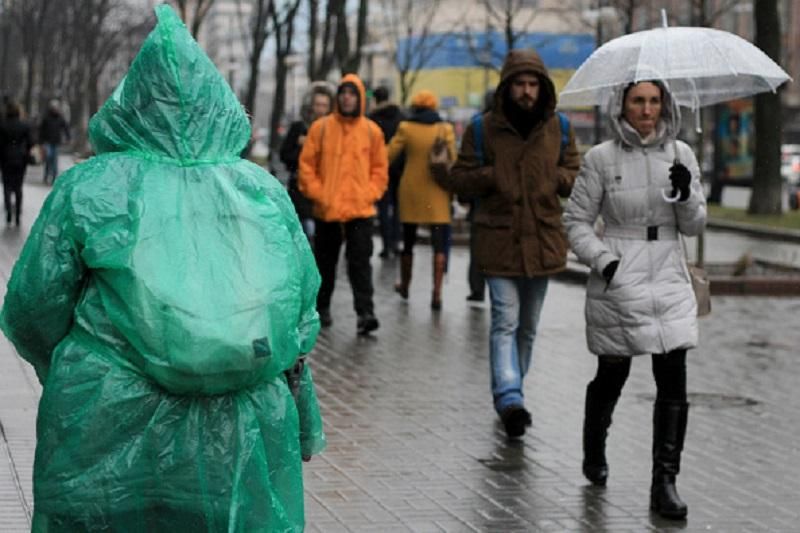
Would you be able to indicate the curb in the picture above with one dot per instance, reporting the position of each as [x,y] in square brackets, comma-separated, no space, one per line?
[779,234]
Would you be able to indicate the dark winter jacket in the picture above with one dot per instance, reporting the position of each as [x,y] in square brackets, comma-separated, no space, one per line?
[290,153]
[15,146]
[517,224]
[53,128]
[388,117]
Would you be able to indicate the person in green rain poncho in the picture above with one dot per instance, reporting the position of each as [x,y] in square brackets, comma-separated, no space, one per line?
[164,292]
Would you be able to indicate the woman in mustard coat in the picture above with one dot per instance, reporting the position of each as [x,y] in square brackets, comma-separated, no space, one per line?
[420,199]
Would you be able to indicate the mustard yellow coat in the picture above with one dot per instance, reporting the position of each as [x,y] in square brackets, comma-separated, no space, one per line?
[420,199]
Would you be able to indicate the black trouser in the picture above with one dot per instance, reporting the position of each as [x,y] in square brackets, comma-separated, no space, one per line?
[438,238]
[669,370]
[12,185]
[357,235]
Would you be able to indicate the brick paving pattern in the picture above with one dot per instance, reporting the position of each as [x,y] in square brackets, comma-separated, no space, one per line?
[414,444]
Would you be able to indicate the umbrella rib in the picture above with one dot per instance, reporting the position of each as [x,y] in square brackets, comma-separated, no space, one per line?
[724,57]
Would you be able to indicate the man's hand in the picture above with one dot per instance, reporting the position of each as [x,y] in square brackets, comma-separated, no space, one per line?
[301,139]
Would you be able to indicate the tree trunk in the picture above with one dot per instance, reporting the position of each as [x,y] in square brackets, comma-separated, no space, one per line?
[259,36]
[278,108]
[313,33]
[767,183]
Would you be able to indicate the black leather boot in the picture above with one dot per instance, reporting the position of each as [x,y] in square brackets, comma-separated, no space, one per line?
[669,431]
[597,419]
[406,265]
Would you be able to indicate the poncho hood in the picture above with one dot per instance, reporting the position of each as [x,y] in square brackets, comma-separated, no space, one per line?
[172,104]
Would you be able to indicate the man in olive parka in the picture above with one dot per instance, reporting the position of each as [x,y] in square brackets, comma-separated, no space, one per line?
[163,293]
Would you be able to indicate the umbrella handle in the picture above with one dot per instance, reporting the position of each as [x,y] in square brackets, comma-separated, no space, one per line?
[670,199]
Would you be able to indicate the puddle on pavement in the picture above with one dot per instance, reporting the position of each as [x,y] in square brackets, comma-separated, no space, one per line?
[710,400]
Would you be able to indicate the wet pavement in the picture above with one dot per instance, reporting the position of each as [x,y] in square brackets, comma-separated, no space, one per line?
[414,444]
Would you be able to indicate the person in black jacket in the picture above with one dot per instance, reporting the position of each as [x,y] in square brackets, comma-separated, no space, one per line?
[52,130]
[388,116]
[16,142]
[317,103]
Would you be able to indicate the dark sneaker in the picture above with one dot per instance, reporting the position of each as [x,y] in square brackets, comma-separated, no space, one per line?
[325,319]
[475,297]
[366,323]
[515,419]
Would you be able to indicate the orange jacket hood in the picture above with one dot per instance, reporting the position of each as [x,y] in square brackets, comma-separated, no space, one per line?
[362,94]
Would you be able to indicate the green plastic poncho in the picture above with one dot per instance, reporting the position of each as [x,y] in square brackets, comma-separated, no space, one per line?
[163,292]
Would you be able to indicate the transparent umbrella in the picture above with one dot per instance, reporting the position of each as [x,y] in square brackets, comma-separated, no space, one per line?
[702,66]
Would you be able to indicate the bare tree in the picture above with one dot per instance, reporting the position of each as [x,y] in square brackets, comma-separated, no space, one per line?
[767,185]
[335,47]
[283,19]
[410,29]
[30,18]
[193,12]
[260,29]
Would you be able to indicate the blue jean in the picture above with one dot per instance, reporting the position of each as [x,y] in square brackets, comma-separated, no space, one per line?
[516,307]
[50,161]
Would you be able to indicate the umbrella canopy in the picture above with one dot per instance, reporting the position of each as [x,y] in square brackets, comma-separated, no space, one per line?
[702,66]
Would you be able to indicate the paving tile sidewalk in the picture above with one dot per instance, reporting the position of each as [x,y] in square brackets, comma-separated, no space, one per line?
[415,446]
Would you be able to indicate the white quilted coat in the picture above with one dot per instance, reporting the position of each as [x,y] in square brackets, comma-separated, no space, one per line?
[649,306]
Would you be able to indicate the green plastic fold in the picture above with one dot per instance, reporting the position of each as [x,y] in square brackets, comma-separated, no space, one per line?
[164,290]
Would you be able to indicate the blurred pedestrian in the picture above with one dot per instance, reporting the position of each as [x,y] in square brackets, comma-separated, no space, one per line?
[475,279]
[317,103]
[53,129]
[343,170]
[16,142]
[163,295]
[524,160]
[388,115]
[639,297]
[421,199]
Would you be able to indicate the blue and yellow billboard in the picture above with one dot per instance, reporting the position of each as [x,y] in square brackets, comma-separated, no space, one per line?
[460,67]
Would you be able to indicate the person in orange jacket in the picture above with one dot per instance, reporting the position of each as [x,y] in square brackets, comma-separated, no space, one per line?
[343,170]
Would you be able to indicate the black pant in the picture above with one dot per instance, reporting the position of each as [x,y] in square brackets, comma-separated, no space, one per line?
[12,185]
[438,238]
[669,370]
[357,235]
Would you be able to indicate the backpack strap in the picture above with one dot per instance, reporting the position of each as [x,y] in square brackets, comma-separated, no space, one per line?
[477,136]
[563,121]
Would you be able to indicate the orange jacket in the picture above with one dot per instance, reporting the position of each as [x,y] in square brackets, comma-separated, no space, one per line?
[343,167]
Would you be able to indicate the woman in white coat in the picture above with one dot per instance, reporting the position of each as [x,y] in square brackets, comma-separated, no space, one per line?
[639,298]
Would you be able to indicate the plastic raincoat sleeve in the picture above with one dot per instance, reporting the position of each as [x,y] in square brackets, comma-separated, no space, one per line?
[379,163]
[312,437]
[45,285]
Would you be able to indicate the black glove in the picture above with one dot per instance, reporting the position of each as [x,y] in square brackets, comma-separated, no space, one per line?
[681,178]
[610,270]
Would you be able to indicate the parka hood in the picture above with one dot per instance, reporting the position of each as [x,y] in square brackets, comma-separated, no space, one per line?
[172,104]
[517,62]
[668,126]
[362,94]
[314,88]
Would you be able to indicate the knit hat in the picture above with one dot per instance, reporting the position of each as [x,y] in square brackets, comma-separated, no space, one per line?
[425,99]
